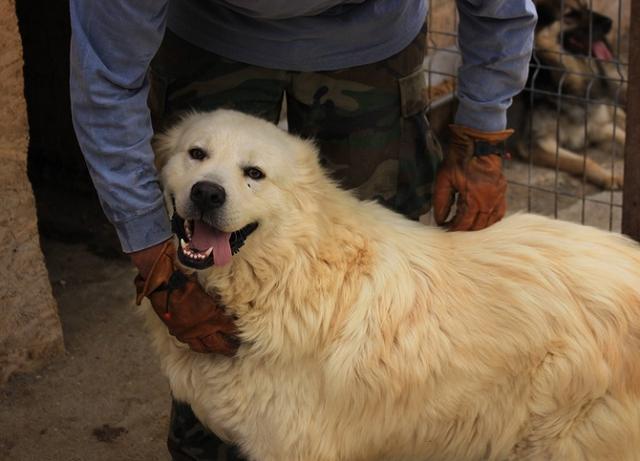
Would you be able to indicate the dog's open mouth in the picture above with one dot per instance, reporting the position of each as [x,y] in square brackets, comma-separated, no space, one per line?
[202,246]
[599,48]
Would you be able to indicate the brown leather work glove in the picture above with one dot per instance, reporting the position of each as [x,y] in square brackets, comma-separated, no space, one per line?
[190,314]
[473,170]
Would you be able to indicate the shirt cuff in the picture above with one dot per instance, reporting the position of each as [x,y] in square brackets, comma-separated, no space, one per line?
[489,119]
[144,231]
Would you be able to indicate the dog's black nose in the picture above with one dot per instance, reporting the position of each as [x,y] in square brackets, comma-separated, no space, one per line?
[207,195]
[602,24]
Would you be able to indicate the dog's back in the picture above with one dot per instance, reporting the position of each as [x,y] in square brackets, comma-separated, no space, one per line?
[532,333]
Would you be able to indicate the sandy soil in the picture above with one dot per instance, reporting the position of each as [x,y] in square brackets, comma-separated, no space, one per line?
[105,400]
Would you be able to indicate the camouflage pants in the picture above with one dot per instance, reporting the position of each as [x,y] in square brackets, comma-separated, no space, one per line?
[368,122]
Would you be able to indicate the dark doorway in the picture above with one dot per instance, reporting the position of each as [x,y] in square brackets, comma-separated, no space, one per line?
[68,208]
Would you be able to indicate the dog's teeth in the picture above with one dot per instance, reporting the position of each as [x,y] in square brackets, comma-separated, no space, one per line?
[194,254]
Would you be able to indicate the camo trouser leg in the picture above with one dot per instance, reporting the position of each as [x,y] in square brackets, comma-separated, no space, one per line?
[185,77]
[368,122]
[189,440]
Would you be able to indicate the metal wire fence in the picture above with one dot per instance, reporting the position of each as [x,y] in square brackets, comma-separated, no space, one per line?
[570,119]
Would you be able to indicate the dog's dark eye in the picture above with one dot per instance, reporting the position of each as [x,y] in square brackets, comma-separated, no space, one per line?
[197,154]
[253,173]
[572,14]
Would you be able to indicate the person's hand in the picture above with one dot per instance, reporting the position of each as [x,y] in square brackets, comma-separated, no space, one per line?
[190,314]
[472,170]
[144,259]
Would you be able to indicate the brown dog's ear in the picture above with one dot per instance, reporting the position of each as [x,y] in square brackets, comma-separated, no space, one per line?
[548,13]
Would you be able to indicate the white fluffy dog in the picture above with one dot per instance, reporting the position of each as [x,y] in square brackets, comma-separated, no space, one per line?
[367,336]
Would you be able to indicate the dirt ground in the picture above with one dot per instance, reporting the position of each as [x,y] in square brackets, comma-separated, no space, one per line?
[575,201]
[105,400]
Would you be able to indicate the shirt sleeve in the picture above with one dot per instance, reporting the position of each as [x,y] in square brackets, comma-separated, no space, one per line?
[495,38]
[112,44]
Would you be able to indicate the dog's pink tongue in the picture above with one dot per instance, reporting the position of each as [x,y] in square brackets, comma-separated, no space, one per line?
[601,51]
[204,237]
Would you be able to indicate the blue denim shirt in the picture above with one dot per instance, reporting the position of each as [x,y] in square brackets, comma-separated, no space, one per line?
[114,41]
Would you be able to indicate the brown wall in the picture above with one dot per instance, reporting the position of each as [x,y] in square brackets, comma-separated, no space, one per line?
[30,331]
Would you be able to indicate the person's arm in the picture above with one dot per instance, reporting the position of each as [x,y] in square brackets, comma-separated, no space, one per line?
[112,44]
[496,39]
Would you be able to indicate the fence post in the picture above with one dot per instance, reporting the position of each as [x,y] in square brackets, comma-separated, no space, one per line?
[631,191]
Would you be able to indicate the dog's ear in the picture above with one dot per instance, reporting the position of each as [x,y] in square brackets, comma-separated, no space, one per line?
[164,146]
[307,154]
[548,13]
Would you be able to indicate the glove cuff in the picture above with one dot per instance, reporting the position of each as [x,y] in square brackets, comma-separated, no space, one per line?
[160,272]
[480,143]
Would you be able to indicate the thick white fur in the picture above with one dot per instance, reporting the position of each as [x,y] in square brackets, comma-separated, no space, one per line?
[370,337]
